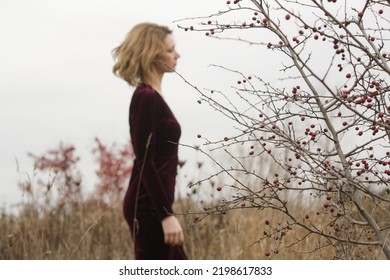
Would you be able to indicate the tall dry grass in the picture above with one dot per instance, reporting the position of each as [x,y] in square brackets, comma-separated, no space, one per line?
[255,234]
[88,232]
[84,232]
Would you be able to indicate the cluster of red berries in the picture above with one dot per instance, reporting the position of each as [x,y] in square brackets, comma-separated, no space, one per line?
[234,2]
[191,28]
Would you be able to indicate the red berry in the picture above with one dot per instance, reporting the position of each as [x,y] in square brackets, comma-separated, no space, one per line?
[287,17]
[348,75]
[360,14]
[380,11]
[219,189]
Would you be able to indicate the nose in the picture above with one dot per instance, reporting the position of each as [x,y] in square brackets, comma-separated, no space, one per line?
[177,56]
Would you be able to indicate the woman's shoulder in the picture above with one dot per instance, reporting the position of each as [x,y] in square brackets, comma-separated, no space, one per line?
[146,90]
[145,94]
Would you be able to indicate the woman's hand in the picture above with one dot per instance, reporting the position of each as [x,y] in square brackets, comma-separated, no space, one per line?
[173,233]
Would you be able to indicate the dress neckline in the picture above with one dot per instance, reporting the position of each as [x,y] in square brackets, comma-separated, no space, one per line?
[149,86]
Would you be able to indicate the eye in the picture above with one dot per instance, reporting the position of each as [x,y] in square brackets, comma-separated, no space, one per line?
[171,49]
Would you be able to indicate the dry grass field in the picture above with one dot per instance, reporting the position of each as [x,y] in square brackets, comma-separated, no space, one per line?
[89,232]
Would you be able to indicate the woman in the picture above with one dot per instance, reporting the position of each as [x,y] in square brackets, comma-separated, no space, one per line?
[147,53]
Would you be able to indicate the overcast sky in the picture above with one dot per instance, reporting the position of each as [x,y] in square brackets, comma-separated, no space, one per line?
[56,82]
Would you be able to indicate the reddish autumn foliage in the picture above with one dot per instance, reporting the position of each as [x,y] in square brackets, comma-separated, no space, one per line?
[114,169]
[61,159]
[59,180]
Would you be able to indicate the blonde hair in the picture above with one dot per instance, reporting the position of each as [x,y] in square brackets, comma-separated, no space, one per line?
[135,56]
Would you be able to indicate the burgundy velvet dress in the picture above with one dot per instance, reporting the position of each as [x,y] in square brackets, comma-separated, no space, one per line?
[151,189]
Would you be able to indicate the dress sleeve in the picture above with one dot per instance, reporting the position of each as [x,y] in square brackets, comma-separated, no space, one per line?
[144,114]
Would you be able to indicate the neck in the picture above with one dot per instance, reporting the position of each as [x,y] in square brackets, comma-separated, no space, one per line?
[155,81]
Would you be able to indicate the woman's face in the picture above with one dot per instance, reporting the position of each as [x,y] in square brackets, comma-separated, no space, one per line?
[167,60]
